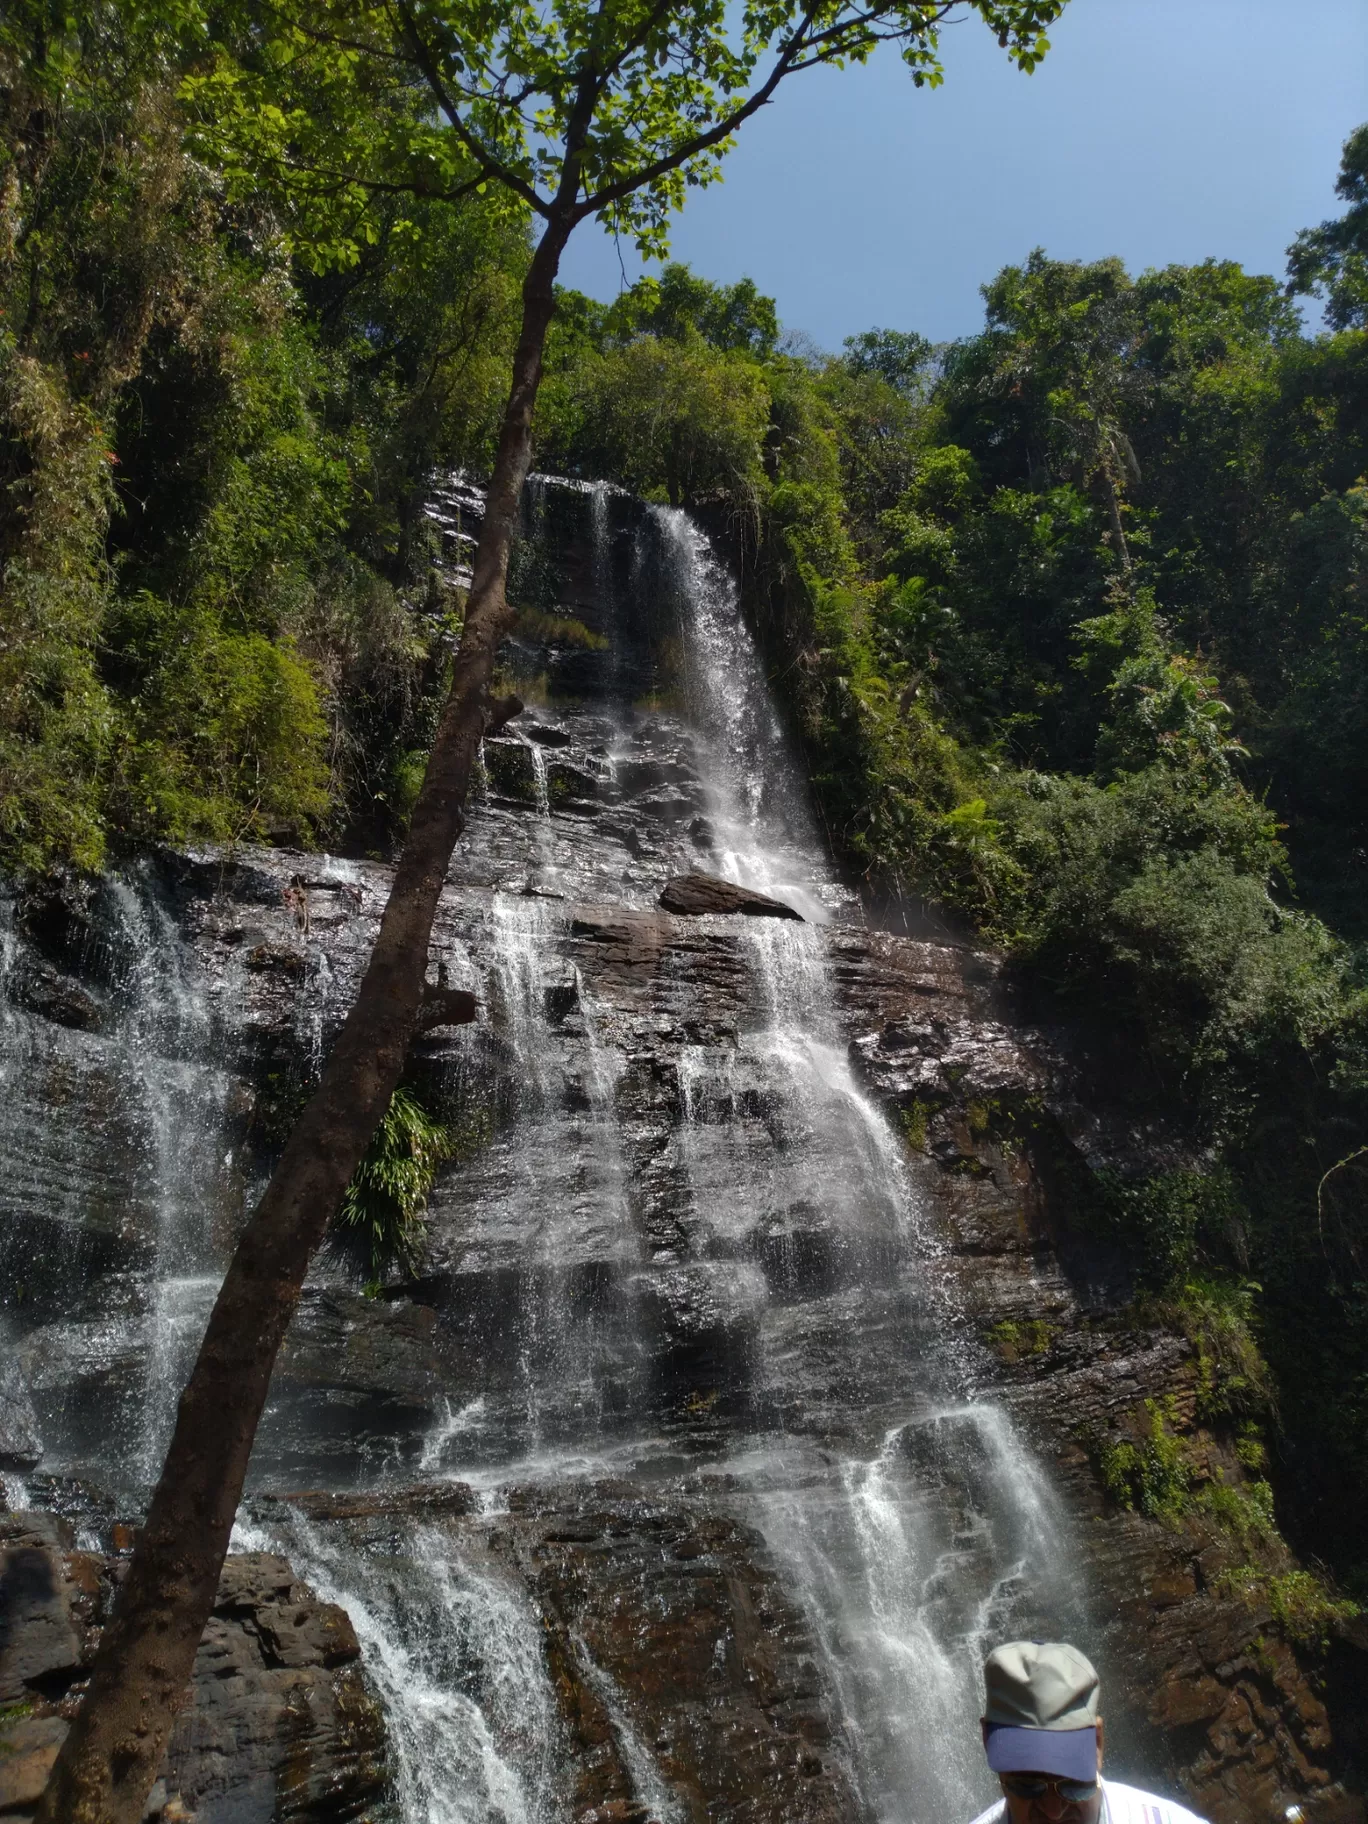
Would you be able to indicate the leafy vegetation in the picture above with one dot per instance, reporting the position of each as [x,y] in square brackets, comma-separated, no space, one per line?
[1153,1473]
[1156,1470]
[380,1225]
[215,577]
[1068,618]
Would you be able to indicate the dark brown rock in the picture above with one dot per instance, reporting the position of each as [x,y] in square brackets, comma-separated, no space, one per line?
[47,991]
[686,1625]
[693,894]
[282,1726]
[40,1650]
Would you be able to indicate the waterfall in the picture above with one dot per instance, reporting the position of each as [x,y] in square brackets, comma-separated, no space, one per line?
[765,834]
[682,1249]
[913,1563]
[456,1654]
[107,1367]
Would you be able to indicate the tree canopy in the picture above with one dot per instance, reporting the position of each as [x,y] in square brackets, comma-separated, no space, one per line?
[606,108]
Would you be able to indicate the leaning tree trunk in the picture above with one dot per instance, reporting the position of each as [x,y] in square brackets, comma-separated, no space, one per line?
[141,1674]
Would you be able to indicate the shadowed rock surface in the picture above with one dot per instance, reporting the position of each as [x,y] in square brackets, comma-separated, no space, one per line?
[281,1724]
[699,893]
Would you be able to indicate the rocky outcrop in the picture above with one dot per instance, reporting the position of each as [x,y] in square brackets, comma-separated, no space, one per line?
[685,1681]
[281,1725]
[1003,1120]
[694,894]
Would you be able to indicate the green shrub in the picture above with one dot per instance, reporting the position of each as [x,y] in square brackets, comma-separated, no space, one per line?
[1014,1341]
[225,737]
[1302,1604]
[1170,1223]
[55,718]
[1233,1379]
[380,1226]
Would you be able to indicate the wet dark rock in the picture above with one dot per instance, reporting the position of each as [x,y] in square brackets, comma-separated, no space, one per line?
[693,894]
[282,1724]
[46,991]
[673,1652]
[637,776]
[55,912]
[673,1614]
[40,1650]
[567,785]
[279,958]
[21,1446]
[511,770]
[561,1000]
[441,1499]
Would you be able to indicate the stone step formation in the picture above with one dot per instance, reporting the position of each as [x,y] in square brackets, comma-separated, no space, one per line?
[745,1393]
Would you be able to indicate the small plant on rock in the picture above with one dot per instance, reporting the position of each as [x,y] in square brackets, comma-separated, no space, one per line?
[1154,1473]
[380,1226]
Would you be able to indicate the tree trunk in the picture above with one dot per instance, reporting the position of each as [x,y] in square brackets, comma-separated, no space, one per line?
[1118,531]
[142,1670]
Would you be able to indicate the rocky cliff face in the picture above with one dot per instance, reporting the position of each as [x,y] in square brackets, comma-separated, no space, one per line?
[764,1350]
[281,1723]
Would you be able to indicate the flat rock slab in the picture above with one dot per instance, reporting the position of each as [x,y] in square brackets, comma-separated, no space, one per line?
[692,894]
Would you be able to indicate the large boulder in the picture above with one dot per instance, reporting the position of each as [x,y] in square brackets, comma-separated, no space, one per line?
[693,894]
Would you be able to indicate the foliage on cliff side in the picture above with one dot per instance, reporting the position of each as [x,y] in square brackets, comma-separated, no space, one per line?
[1069,619]
[213,562]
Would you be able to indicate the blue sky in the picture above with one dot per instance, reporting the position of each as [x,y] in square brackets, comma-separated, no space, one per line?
[1162,130]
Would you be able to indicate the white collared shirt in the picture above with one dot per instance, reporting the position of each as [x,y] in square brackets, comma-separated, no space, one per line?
[1120,1805]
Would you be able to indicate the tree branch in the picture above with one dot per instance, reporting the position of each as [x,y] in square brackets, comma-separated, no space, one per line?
[701,142]
[485,159]
[834,41]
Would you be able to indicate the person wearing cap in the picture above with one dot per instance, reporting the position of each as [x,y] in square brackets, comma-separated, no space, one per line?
[1043,1737]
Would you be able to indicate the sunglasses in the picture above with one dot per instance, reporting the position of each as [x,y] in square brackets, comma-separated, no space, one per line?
[1027,1786]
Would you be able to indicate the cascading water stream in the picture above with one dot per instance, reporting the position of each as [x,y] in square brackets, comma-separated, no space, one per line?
[157,1070]
[743,1286]
[455,1652]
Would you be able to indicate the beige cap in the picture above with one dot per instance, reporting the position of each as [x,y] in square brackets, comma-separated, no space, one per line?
[1041,1710]
[1040,1684]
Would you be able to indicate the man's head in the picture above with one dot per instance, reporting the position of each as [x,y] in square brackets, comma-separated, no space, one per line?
[1042,1732]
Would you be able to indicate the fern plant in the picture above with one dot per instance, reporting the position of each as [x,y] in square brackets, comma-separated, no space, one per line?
[381,1226]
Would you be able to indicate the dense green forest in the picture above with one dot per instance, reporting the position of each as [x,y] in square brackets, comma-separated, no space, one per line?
[1069,618]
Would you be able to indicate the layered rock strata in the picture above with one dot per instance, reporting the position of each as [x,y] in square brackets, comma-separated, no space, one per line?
[281,1723]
